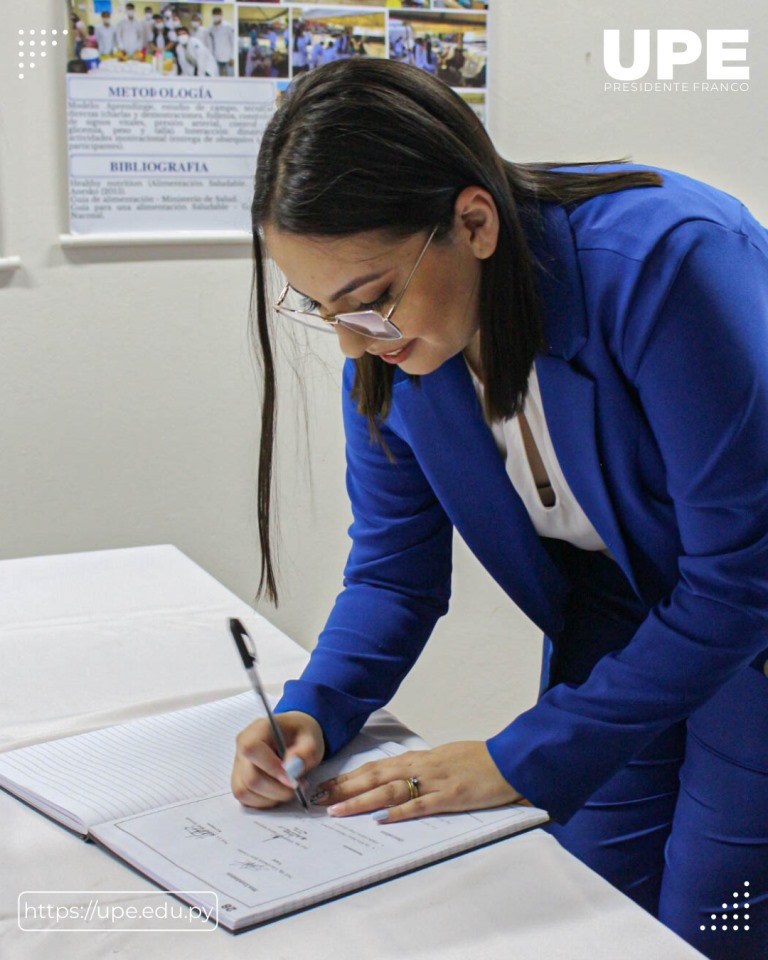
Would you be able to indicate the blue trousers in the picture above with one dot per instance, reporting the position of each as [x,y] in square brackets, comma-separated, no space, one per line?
[683,828]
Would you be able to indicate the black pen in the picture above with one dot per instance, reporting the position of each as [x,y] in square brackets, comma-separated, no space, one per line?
[247,650]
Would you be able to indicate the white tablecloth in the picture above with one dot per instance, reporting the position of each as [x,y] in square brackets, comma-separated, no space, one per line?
[95,638]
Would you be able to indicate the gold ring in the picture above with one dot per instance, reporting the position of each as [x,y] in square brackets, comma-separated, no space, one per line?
[413,787]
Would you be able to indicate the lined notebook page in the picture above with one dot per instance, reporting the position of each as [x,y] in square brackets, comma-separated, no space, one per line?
[132,767]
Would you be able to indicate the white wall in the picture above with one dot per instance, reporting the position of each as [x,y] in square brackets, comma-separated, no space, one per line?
[128,403]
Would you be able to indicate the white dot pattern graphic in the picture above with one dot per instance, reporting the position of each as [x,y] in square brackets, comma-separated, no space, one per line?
[26,51]
[744,905]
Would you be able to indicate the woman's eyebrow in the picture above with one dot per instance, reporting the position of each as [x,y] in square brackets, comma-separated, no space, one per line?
[347,288]
[354,284]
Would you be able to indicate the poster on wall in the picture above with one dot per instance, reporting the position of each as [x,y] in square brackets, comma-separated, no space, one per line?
[167,102]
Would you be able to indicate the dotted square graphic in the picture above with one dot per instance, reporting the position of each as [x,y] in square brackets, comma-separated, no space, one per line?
[36,43]
[739,902]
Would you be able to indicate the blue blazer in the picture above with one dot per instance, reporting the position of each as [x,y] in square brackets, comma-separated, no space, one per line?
[655,388]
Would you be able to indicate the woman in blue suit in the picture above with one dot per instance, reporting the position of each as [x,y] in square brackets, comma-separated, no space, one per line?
[569,366]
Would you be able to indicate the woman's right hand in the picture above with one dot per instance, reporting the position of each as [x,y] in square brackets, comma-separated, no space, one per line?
[259,777]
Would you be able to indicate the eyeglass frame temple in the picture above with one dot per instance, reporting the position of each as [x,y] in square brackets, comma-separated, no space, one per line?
[400,295]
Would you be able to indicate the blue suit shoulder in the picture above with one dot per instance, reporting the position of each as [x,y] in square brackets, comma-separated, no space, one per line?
[631,222]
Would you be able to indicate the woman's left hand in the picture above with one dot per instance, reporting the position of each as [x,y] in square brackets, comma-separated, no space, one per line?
[453,777]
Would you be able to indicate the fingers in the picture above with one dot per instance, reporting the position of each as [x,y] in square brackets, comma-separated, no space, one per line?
[412,810]
[259,777]
[364,779]
[446,779]
[389,803]
[306,745]
[375,787]
[385,797]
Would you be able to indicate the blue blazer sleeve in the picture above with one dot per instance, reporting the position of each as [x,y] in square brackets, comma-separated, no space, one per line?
[396,585]
[693,347]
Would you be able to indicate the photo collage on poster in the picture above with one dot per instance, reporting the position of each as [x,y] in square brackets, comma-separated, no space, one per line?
[278,41]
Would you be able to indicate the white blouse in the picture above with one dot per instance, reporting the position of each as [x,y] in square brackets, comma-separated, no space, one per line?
[564,520]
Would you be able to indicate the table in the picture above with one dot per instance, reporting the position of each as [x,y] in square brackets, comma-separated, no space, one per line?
[79,633]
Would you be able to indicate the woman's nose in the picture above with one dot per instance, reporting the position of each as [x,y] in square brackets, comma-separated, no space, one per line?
[353,345]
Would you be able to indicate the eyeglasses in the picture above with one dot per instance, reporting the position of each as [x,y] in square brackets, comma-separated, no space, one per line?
[369,323]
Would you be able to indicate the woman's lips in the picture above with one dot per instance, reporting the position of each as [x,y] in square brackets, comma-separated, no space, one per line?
[397,356]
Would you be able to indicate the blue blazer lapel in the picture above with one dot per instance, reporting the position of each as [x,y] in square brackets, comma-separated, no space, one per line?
[567,394]
[569,405]
[441,418]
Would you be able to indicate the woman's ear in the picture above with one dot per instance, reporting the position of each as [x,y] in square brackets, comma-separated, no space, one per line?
[476,221]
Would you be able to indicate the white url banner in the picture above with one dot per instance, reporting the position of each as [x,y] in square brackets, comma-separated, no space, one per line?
[88,911]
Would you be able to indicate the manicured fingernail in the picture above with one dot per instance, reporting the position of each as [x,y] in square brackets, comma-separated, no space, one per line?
[294,767]
[379,815]
[319,796]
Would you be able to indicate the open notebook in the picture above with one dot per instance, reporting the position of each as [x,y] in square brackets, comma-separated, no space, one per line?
[155,791]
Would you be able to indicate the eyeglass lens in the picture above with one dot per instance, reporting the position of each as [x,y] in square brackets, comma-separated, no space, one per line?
[370,324]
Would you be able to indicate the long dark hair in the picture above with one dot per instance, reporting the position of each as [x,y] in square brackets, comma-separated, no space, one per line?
[371,144]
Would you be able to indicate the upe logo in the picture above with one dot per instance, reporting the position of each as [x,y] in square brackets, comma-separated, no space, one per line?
[677,48]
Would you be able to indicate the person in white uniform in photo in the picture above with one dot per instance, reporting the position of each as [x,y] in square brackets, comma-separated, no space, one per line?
[195,59]
[147,25]
[130,33]
[105,35]
[198,32]
[223,43]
